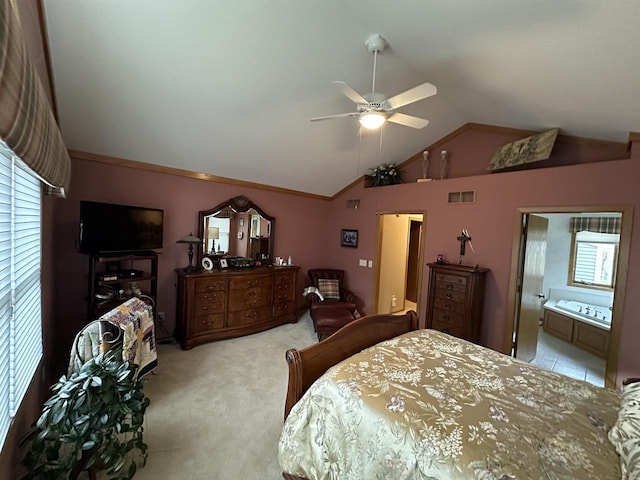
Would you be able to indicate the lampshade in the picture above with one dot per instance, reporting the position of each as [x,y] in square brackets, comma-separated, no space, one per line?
[372,120]
[191,238]
[213,233]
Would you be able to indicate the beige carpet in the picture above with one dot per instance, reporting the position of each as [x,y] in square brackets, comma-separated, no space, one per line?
[217,410]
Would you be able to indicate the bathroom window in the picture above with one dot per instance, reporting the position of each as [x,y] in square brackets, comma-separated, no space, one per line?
[594,257]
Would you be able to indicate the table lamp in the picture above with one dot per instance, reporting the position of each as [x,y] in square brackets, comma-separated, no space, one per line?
[214,234]
[191,239]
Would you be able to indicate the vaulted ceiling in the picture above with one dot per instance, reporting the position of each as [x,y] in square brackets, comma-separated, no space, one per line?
[227,87]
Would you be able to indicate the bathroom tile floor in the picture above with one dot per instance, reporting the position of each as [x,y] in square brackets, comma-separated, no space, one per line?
[562,357]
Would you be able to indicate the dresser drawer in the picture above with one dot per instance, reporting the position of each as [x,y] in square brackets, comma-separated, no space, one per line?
[207,323]
[450,295]
[284,277]
[283,308]
[210,296]
[205,306]
[283,293]
[454,330]
[448,317]
[210,285]
[249,316]
[249,282]
[249,298]
[454,307]
[451,278]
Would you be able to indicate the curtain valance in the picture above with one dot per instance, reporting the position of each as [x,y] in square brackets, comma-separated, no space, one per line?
[27,124]
[595,224]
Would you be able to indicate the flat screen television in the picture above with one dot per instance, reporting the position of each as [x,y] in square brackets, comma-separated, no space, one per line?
[111,228]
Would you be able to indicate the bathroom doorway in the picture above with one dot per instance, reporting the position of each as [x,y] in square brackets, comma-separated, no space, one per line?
[556,282]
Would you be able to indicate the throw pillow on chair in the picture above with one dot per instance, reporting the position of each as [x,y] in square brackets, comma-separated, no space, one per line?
[329,288]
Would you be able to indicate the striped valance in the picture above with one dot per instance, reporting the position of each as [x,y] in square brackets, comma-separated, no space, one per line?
[595,224]
[27,124]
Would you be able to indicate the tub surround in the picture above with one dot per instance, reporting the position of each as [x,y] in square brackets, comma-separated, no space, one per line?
[585,324]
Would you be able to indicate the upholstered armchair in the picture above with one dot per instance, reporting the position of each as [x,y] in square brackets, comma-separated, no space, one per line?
[335,305]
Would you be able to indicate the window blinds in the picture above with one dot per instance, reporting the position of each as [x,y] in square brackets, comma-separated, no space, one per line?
[20,297]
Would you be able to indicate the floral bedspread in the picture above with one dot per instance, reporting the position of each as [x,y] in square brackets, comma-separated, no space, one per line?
[426,405]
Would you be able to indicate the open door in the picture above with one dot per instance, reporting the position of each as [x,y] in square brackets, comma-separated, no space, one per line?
[531,296]
[413,260]
[398,265]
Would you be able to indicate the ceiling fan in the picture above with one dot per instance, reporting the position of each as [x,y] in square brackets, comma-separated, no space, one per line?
[374,109]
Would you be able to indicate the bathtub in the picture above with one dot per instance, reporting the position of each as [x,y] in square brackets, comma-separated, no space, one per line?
[596,315]
[583,324]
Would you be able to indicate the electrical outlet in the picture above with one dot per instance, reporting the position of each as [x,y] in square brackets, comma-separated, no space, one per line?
[370,263]
[160,317]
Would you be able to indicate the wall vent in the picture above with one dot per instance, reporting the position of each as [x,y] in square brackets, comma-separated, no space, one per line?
[462,197]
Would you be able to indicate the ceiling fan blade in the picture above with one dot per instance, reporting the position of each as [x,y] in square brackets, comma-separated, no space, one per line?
[348,91]
[407,120]
[339,115]
[412,95]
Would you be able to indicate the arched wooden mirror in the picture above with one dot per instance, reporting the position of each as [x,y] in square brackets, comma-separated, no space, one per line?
[237,228]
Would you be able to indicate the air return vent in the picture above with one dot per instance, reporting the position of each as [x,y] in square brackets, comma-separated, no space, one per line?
[462,197]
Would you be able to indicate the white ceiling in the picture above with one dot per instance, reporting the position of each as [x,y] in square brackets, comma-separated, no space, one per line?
[227,87]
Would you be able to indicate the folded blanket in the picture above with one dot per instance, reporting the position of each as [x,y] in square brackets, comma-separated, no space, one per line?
[309,290]
[135,318]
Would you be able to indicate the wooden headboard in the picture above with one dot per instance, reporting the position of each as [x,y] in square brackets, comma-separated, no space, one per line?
[308,364]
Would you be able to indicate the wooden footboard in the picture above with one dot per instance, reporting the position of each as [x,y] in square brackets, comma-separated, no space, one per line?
[306,365]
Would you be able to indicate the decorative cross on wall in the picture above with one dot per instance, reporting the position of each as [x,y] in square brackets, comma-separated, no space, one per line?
[463,238]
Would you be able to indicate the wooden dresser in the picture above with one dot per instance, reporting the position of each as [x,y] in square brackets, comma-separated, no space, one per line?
[456,299]
[230,303]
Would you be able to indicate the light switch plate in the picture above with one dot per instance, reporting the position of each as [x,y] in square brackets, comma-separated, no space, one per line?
[363,262]
[370,263]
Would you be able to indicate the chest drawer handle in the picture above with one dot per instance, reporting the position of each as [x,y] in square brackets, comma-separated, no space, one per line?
[448,295]
[253,314]
[445,317]
[449,286]
[251,302]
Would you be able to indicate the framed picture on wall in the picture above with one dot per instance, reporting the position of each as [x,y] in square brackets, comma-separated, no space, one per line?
[349,238]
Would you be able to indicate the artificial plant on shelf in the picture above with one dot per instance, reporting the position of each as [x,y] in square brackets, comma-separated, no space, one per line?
[385,175]
[94,418]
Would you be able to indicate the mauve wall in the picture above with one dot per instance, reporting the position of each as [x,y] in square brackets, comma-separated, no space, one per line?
[300,229]
[308,229]
[491,223]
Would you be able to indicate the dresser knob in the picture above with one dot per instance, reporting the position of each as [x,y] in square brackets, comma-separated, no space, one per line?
[448,295]
[449,286]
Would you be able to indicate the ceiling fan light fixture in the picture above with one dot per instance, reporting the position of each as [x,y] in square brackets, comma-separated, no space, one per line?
[372,120]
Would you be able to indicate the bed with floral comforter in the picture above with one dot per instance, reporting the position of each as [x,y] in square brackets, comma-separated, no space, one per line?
[426,405]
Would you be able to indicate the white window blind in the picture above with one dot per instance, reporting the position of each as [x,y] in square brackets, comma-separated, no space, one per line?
[20,297]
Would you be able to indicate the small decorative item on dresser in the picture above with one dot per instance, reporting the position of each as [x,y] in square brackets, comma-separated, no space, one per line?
[191,240]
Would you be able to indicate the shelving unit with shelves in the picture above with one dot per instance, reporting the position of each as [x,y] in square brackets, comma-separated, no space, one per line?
[113,277]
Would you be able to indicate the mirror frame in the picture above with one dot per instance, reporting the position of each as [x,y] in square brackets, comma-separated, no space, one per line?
[239,204]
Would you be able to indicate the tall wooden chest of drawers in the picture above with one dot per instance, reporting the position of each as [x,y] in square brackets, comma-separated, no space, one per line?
[456,299]
[230,303]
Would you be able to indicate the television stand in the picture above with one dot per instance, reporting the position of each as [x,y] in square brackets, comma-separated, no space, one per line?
[115,277]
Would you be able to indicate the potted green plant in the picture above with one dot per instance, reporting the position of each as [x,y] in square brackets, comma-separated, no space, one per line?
[93,419]
[385,175]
